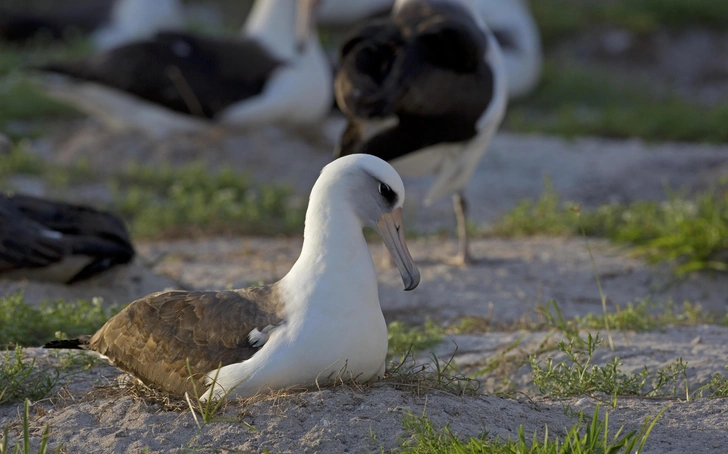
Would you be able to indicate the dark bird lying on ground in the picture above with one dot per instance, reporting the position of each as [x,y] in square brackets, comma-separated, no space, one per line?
[58,241]
[424,89]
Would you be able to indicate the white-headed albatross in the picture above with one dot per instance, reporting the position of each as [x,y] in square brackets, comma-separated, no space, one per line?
[424,89]
[321,320]
[49,240]
[276,72]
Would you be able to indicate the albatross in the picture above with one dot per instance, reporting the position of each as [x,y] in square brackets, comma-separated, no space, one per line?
[321,321]
[276,72]
[50,240]
[424,89]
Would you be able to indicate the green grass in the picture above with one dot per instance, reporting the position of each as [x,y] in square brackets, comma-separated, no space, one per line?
[404,338]
[25,446]
[165,201]
[646,315]
[562,19]
[25,108]
[21,378]
[584,437]
[690,232]
[188,200]
[573,100]
[26,325]
[717,388]
[578,375]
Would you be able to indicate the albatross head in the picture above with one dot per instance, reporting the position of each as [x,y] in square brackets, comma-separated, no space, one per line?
[374,192]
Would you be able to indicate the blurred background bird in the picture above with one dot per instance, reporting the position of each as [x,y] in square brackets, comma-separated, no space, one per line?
[424,89]
[510,21]
[276,72]
[56,241]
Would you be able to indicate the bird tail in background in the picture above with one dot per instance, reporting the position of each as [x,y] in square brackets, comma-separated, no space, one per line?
[70,344]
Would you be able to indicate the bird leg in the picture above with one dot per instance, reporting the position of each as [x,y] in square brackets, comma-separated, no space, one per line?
[463,256]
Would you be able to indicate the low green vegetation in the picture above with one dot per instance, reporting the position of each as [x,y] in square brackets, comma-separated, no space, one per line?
[166,201]
[404,338]
[26,325]
[190,199]
[575,101]
[578,375]
[690,232]
[584,437]
[646,315]
[25,108]
[561,19]
[25,445]
[22,378]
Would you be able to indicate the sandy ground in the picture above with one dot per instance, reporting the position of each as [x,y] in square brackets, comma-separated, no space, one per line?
[90,414]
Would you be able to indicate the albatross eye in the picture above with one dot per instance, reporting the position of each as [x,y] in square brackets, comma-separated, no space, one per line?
[387,192]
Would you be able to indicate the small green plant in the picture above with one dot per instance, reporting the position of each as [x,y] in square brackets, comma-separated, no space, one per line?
[23,324]
[582,438]
[646,315]
[578,375]
[690,232]
[21,378]
[209,409]
[189,199]
[410,375]
[717,387]
[404,338]
[25,446]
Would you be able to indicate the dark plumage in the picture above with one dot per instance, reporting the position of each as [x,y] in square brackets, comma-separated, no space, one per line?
[430,77]
[191,74]
[153,337]
[425,66]
[37,233]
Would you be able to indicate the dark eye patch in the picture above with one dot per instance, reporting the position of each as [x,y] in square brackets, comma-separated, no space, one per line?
[389,195]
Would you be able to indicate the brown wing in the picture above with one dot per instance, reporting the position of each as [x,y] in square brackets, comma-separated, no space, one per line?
[154,336]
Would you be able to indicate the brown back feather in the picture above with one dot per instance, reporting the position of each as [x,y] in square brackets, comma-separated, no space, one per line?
[154,336]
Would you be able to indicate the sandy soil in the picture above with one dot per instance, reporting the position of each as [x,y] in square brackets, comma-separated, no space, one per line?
[91,414]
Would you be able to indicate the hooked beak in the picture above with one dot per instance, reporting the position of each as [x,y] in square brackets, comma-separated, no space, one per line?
[304,22]
[391,230]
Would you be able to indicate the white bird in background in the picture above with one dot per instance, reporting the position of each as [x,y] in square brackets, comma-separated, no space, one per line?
[424,89]
[517,32]
[276,72]
[320,322]
[133,20]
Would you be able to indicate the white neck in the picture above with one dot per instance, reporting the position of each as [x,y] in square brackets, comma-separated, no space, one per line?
[335,261]
[272,23]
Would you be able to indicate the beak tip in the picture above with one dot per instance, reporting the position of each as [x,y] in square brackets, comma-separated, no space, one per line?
[412,283]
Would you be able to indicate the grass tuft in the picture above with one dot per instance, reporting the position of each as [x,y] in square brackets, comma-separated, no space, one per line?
[689,232]
[578,375]
[582,438]
[188,200]
[23,324]
[21,378]
[404,338]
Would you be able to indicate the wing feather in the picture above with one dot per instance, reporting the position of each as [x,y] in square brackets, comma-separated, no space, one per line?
[153,337]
